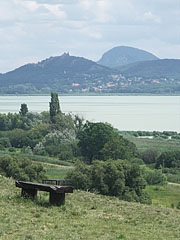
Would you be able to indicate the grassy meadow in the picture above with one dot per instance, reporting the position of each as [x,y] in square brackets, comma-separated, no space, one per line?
[158,144]
[165,196]
[84,216]
[56,171]
[37,158]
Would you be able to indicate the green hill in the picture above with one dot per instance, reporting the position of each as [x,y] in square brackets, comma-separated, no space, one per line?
[70,74]
[53,74]
[162,68]
[84,216]
[123,55]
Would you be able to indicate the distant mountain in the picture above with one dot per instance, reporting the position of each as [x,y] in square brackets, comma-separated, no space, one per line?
[70,74]
[162,68]
[55,73]
[123,55]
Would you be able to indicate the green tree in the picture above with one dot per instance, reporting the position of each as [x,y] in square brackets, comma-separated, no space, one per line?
[92,139]
[153,176]
[54,106]
[3,122]
[118,148]
[24,109]
[149,156]
[169,159]
[18,138]
[100,141]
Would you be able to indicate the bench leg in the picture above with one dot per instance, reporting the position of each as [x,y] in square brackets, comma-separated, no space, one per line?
[56,198]
[29,193]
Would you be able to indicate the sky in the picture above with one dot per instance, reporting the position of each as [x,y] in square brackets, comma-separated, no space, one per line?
[33,30]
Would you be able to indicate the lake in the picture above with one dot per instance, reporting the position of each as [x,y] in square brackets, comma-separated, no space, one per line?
[149,113]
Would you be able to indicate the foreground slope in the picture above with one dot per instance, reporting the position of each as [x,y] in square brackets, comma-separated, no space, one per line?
[123,55]
[85,216]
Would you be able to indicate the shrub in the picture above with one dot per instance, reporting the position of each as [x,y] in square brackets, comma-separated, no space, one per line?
[80,176]
[114,178]
[178,206]
[21,169]
[153,176]
[54,141]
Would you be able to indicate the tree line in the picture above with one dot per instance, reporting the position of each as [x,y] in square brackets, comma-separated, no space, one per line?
[105,161]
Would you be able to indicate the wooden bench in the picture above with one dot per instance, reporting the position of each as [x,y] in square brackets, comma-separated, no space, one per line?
[61,182]
[56,192]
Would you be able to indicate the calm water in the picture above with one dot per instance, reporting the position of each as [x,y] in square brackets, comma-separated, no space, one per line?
[123,112]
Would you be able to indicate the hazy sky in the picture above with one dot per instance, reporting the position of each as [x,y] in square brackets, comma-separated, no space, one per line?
[31,30]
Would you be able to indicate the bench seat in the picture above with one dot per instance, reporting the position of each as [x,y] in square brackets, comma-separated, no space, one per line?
[56,192]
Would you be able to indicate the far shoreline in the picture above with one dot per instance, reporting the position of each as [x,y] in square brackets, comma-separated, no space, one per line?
[95,94]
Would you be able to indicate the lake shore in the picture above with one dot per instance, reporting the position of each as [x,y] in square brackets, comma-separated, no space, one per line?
[95,94]
[128,113]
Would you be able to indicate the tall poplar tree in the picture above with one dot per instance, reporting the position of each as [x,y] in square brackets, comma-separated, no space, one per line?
[54,106]
[23,109]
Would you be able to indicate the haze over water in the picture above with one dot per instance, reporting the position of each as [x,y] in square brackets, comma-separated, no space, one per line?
[149,113]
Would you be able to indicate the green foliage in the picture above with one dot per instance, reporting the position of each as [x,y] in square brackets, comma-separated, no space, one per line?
[92,139]
[62,121]
[24,109]
[153,176]
[3,122]
[169,159]
[118,148]
[78,123]
[178,206]
[101,141]
[39,149]
[149,156]
[80,176]
[18,138]
[54,107]
[21,169]
[114,178]
[56,142]
[45,133]
[4,141]
[12,121]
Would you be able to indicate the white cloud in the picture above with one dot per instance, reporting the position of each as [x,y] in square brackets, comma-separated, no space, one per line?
[34,29]
[148,16]
[30,5]
[55,9]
